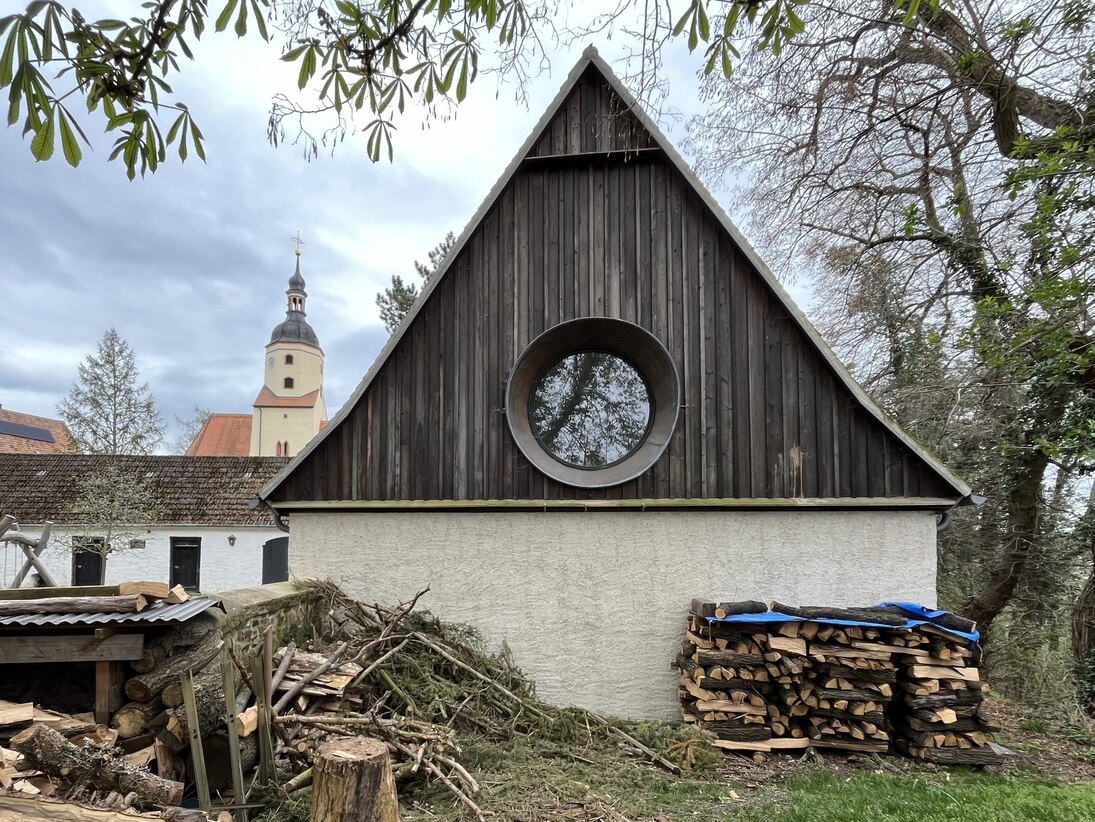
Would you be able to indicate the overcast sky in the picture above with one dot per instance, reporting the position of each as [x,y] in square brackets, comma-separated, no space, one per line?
[190,264]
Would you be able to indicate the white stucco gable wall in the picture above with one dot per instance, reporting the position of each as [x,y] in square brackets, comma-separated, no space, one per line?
[223,566]
[593,604]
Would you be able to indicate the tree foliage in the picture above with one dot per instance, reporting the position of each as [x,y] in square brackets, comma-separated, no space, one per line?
[187,428]
[369,61]
[113,506]
[396,300]
[377,59]
[930,170]
[108,409]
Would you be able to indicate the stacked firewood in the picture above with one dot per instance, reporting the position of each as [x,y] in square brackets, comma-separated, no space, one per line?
[814,679]
[942,717]
[737,680]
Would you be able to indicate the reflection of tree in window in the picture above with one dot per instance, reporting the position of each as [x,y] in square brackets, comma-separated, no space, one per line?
[590,409]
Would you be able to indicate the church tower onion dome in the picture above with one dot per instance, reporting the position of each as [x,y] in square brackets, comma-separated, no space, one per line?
[295,328]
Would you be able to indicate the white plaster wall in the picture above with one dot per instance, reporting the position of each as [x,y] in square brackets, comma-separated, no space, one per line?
[223,567]
[593,604]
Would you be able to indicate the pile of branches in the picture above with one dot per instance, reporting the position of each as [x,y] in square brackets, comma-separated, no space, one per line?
[424,684]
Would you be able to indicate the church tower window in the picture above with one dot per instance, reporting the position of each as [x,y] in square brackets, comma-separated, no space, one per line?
[288,359]
[288,382]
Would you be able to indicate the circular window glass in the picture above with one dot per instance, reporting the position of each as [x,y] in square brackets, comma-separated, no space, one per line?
[590,409]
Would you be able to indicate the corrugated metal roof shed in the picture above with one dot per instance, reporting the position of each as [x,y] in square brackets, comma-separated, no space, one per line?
[158,612]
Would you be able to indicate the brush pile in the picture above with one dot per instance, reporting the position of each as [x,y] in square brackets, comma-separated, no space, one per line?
[419,685]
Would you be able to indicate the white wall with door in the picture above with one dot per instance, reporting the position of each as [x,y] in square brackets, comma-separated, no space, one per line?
[216,559]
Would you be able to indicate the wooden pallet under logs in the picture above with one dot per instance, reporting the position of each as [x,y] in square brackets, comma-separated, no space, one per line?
[812,680]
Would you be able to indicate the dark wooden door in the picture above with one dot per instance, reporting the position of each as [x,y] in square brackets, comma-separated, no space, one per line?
[87,567]
[275,560]
[186,555]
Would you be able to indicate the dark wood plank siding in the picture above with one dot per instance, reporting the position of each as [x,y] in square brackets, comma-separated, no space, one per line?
[588,227]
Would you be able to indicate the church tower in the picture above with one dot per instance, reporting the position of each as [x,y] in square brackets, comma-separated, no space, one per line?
[290,408]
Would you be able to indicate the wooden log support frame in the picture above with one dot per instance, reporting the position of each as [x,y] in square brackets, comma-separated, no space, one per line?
[106,649]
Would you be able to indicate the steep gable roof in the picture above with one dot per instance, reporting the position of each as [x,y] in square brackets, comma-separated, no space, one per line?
[774,322]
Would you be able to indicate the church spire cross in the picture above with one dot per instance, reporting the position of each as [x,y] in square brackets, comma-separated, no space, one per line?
[296,239]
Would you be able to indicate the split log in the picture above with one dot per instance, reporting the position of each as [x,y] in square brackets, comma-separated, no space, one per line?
[353,782]
[149,589]
[144,687]
[47,751]
[136,718]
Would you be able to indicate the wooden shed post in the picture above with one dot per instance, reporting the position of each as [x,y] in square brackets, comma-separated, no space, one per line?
[354,783]
[109,681]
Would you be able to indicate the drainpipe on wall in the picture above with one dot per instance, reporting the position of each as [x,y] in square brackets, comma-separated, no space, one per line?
[279,522]
[945,518]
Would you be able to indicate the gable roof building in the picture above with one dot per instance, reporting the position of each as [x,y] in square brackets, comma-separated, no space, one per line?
[627,410]
[29,434]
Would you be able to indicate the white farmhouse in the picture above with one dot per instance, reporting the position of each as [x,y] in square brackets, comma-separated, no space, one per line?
[197,531]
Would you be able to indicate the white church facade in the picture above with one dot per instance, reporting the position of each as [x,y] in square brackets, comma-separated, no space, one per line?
[290,408]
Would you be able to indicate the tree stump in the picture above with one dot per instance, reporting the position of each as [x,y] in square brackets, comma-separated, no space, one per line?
[354,783]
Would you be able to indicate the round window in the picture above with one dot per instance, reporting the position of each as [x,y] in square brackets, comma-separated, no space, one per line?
[593,402]
[590,409]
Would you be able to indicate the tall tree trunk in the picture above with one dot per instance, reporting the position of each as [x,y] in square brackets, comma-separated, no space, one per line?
[1083,619]
[1024,501]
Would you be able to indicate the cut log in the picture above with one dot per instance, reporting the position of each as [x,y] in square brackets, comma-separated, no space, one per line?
[205,680]
[957,756]
[701,608]
[709,657]
[136,718]
[49,752]
[71,605]
[175,639]
[353,782]
[877,615]
[144,687]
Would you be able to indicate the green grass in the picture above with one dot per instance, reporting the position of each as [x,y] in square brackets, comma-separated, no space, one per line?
[524,780]
[948,796]
[527,781]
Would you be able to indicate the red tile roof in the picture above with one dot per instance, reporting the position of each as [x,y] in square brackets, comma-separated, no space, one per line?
[223,435]
[14,443]
[268,399]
